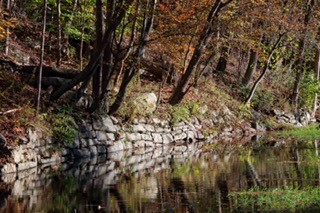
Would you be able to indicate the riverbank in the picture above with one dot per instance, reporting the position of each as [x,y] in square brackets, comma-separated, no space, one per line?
[102,135]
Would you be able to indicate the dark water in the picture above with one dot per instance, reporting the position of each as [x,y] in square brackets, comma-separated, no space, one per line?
[187,178]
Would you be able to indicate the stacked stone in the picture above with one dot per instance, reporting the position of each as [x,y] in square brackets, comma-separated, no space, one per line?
[38,149]
[104,135]
[99,136]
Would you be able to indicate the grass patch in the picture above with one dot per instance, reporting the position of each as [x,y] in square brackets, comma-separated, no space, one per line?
[307,133]
[277,199]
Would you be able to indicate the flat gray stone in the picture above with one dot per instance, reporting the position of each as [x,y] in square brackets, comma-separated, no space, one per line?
[133,136]
[93,151]
[111,137]
[9,168]
[181,136]
[146,137]
[138,128]
[108,124]
[157,138]
[149,128]
[180,148]
[167,138]
[139,144]
[117,146]
[102,136]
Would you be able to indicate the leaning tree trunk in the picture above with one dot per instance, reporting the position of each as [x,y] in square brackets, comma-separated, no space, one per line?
[132,69]
[206,35]
[265,69]
[251,68]
[89,70]
[44,17]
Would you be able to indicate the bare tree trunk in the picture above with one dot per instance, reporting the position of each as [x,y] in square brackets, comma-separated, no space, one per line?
[251,68]
[131,41]
[265,69]
[67,26]
[1,3]
[97,78]
[188,51]
[82,6]
[44,17]
[206,35]
[97,52]
[59,33]
[241,58]
[300,57]
[7,47]
[130,72]
[317,74]
[222,62]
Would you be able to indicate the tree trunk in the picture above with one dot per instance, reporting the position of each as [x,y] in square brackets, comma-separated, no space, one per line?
[97,52]
[44,17]
[7,47]
[132,69]
[300,57]
[82,6]
[59,33]
[96,82]
[265,69]
[317,75]
[1,3]
[222,62]
[206,35]
[67,26]
[251,68]
[131,41]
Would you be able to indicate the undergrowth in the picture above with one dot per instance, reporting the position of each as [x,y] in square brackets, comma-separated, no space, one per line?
[279,200]
[308,133]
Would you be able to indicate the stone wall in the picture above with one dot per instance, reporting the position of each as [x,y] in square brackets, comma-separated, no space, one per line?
[101,135]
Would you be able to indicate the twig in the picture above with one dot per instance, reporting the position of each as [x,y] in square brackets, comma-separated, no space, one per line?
[9,111]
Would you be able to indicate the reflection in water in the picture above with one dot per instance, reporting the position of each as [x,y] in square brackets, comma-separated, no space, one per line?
[186,178]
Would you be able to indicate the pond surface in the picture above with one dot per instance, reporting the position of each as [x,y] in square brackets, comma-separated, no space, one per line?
[186,178]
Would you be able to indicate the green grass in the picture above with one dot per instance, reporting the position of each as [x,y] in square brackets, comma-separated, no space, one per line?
[308,133]
[284,200]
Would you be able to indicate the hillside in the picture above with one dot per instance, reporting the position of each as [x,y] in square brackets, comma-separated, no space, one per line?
[193,67]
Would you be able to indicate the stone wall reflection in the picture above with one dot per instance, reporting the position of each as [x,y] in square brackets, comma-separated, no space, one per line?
[30,189]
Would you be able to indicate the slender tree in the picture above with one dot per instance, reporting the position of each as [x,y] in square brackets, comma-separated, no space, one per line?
[316,73]
[251,67]
[133,67]
[97,77]
[205,37]
[299,69]
[265,68]
[98,50]
[59,33]
[44,17]
[7,47]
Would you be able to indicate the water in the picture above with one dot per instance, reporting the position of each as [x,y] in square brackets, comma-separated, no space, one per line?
[187,178]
